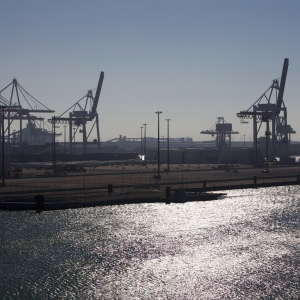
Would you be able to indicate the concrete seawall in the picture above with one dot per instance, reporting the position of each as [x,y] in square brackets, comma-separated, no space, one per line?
[144,196]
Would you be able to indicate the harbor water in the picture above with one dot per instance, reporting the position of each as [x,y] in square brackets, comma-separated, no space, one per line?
[245,245]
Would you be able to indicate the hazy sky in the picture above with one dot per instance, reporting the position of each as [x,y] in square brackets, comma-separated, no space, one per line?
[192,60]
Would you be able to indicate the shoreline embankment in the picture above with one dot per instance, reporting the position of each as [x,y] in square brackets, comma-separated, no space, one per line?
[158,194]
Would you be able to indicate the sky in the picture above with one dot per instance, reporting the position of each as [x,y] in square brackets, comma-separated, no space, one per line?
[192,60]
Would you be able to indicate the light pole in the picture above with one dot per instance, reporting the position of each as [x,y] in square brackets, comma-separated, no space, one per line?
[3,141]
[65,142]
[122,176]
[168,120]
[141,141]
[182,175]
[14,141]
[145,148]
[244,141]
[158,156]
[267,147]
[53,141]
[74,128]
[84,170]
[54,146]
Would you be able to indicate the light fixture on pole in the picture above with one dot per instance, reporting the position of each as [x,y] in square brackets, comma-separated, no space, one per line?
[141,141]
[168,120]
[53,142]
[74,129]
[182,175]
[145,148]
[65,141]
[3,141]
[158,156]
[54,120]
[14,134]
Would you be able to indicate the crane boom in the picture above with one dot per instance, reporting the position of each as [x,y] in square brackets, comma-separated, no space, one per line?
[282,82]
[96,100]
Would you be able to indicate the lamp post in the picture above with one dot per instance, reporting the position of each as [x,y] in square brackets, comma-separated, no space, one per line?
[145,148]
[3,141]
[54,149]
[53,142]
[158,156]
[141,141]
[168,120]
[65,142]
[14,151]
[122,176]
[84,170]
[74,128]
[182,176]
[268,133]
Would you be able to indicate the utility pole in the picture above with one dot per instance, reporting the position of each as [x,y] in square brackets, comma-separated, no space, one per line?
[74,128]
[141,141]
[65,141]
[267,146]
[158,156]
[168,120]
[145,148]
[3,141]
[53,141]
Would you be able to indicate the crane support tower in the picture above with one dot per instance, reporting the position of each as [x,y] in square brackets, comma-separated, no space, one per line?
[78,116]
[22,106]
[276,113]
[222,130]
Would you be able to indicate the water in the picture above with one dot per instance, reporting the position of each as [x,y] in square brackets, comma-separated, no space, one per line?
[245,246]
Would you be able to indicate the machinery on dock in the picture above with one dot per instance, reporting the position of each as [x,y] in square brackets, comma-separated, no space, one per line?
[18,106]
[264,111]
[79,115]
[223,132]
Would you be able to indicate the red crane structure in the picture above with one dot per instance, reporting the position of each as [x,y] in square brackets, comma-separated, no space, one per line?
[17,111]
[78,116]
[276,113]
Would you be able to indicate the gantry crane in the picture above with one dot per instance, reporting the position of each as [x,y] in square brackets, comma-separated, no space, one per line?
[79,116]
[15,110]
[274,112]
[221,129]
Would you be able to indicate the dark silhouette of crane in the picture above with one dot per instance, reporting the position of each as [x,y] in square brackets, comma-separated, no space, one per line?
[20,106]
[221,129]
[79,115]
[275,112]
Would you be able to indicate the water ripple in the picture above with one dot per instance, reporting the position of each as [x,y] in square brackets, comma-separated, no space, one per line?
[245,246]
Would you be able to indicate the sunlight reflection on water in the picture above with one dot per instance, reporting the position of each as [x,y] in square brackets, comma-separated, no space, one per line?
[245,245]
